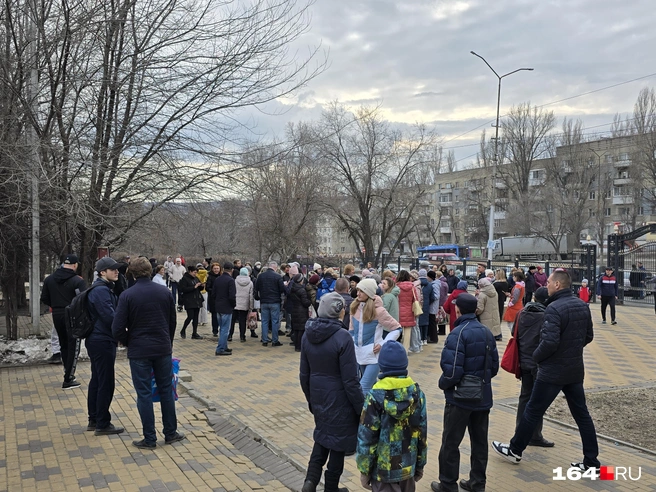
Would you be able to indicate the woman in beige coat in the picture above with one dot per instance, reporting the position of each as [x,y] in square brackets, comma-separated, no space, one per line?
[488,307]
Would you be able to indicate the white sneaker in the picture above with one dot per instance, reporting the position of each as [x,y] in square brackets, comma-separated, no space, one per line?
[504,451]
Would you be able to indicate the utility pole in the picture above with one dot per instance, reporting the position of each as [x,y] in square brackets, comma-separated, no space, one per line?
[35,165]
[490,237]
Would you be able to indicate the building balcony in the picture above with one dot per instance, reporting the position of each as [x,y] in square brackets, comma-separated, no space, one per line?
[621,181]
[536,181]
[444,203]
[622,200]
[499,183]
[445,229]
[501,200]
[499,215]
[622,163]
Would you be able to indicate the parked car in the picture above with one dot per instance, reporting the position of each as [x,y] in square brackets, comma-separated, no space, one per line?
[392,267]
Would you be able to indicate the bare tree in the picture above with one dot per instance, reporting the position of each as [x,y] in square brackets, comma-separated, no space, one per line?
[643,159]
[380,175]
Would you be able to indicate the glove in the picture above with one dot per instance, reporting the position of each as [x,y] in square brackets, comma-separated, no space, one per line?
[365,481]
[419,474]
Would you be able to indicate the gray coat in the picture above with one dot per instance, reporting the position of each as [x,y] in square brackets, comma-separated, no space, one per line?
[245,288]
[488,309]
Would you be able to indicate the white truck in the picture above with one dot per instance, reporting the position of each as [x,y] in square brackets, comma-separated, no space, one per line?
[529,248]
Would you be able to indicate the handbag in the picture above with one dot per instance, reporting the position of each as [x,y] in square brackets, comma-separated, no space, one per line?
[510,359]
[441,317]
[470,388]
[416,305]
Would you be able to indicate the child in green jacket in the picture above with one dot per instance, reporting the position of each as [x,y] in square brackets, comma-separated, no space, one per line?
[392,433]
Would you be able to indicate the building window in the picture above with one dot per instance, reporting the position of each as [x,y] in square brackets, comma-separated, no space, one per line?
[641,210]
[591,212]
[608,212]
[456,185]
[457,211]
[446,198]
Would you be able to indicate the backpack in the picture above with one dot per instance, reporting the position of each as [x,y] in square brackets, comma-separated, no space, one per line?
[79,323]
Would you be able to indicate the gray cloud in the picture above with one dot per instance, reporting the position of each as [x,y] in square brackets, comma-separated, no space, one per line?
[413,58]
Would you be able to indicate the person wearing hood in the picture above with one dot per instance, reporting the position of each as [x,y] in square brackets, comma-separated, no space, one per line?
[516,301]
[527,334]
[58,291]
[540,277]
[452,280]
[327,284]
[101,347]
[488,307]
[298,303]
[368,320]
[450,303]
[329,380]
[428,297]
[469,350]
[212,275]
[392,436]
[500,284]
[390,298]
[243,303]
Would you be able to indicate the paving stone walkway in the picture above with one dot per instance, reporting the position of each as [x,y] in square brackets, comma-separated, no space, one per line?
[248,426]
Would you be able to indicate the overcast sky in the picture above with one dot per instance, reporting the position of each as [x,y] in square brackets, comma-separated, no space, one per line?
[412,57]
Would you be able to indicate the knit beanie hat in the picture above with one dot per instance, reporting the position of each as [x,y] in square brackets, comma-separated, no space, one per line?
[293,270]
[330,305]
[392,360]
[423,273]
[541,295]
[584,281]
[316,267]
[462,285]
[467,303]
[366,273]
[314,279]
[244,271]
[484,282]
[368,286]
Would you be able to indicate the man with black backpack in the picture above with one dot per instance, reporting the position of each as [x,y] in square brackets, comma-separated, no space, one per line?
[58,291]
[101,346]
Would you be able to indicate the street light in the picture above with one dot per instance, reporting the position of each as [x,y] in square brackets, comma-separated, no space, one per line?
[490,237]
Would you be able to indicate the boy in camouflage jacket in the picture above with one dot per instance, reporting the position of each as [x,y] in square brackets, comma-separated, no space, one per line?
[392,433]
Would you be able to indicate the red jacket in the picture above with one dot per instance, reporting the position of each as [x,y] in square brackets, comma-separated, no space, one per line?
[450,307]
[584,294]
[406,298]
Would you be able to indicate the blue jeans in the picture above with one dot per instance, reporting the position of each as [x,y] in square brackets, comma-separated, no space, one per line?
[174,291]
[541,398]
[224,330]
[141,378]
[368,377]
[270,319]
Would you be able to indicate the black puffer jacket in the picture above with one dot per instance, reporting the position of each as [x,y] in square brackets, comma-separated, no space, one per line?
[298,304]
[329,379]
[527,333]
[59,288]
[192,298]
[566,329]
[269,287]
[464,353]
[209,284]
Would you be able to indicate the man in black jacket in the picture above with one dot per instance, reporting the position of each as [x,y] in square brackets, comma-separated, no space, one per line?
[527,334]
[566,329]
[269,288]
[59,289]
[224,292]
[145,323]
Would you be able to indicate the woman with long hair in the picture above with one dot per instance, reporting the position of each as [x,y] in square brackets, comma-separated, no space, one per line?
[368,320]
[516,302]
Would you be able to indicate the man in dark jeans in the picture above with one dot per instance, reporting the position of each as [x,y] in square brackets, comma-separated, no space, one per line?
[566,329]
[59,289]
[607,291]
[145,323]
[269,288]
[470,349]
[101,347]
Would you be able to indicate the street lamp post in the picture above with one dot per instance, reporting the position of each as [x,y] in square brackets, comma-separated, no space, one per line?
[490,237]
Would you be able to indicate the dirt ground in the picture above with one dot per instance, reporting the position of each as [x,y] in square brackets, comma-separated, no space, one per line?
[627,415]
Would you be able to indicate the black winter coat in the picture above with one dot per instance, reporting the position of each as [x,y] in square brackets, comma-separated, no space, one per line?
[59,288]
[330,382]
[452,282]
[529,283]
[298,304]
[224,292]
[192,298]
[527,333]
[148,312]
[566,329]
[502,288]
[269,287]
[211,277]
[426,291]
[464,353]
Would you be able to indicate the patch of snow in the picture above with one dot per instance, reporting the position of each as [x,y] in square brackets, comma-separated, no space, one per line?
[29,351]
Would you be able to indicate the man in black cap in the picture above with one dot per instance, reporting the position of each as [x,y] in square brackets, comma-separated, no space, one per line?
[470,350]
[58,291]
[101,347]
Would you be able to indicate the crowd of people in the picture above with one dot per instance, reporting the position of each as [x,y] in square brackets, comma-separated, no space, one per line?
[354,334]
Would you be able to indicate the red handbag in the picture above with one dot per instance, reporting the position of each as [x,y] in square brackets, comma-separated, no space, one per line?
[510,359]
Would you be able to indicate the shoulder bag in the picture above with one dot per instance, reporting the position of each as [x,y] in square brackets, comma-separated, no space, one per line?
[470,387]
[416,305]
[510,359]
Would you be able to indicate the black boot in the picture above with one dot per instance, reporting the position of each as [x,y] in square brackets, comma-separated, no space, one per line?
[312,478]
[331,481]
